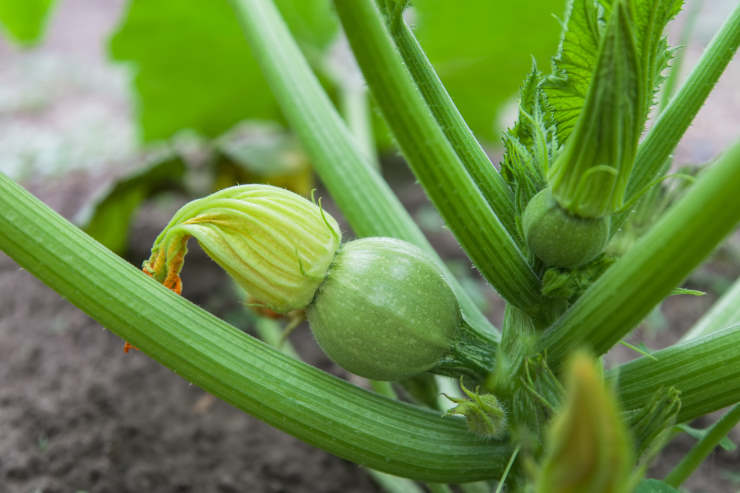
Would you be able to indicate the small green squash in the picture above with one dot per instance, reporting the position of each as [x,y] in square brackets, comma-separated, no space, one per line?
[561,239]
[385,311]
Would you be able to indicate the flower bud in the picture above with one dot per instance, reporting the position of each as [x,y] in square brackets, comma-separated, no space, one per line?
[589,177]
[275,244]
[588,447]
[483,413]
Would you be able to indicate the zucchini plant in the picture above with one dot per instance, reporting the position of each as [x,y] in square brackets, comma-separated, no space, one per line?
[538,411]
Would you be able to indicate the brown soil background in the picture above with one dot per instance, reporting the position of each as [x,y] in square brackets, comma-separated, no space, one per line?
[77,414]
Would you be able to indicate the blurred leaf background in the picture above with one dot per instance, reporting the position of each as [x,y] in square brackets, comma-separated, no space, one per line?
[194,68]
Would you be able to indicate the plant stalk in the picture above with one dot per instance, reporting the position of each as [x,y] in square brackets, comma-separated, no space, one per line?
[311,405]
[706,371]
[490,183]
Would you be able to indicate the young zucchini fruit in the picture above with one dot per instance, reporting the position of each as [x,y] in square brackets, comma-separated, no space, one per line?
[560,238]
[385,310]
[379,307]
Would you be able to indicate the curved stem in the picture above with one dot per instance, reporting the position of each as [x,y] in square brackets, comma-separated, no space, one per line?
[311,405]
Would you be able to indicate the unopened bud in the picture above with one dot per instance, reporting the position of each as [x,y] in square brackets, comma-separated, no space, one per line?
[588,447]
[483,413]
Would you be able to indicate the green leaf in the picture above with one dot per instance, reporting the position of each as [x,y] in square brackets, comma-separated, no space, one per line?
[194,68]
[590,175]
[24,20]
[575,62]
[655,486]
[529,144]
[470,44]
[651,17]
[107,219]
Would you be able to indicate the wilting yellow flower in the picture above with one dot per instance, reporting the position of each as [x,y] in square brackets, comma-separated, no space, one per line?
[275,244]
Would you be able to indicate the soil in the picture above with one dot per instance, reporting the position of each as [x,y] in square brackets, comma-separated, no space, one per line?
[78,414]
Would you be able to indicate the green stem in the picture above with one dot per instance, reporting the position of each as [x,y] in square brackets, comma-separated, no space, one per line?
[656,264]
[490,183]
[704,447]
[724,313]
[673,122]
[309,404]
[364,198]
[271,332]
[706,371]
[356,111]
[433,160]
[469,355]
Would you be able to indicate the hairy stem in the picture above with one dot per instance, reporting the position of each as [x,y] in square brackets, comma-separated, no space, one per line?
[493,187]
[706,371]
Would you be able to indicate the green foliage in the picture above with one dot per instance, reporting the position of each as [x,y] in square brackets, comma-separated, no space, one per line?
[24,20]
[575,64]
[470,44]
[590,175]
[390,313]
[530,144]
[193,67]
[108,218]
